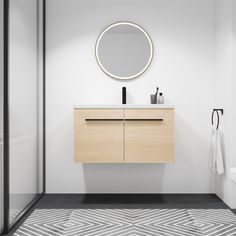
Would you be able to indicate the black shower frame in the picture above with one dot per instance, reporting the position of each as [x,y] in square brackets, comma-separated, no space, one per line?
[6,171]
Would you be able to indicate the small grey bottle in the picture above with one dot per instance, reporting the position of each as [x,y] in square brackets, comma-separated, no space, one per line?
[160,99]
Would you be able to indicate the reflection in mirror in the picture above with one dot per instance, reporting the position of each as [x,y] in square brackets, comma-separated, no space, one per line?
[124,50]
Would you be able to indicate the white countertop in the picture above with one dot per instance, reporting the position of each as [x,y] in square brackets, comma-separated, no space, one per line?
[110,106]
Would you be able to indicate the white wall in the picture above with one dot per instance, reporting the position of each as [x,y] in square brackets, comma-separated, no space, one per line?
[225,92]
[233,13]
[183,67]
[233,161]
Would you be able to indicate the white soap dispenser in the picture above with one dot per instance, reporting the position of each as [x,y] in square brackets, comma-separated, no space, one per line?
[160,99]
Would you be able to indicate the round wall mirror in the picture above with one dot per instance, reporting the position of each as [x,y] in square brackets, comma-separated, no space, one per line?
[124,50]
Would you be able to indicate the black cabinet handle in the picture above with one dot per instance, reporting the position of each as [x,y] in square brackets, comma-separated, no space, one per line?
[124,119]
[144,119]
[103,119]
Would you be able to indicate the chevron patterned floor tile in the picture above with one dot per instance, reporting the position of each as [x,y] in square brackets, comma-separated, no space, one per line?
[129,222]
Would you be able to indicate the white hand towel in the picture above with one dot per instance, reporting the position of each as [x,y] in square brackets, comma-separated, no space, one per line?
[219,154]
[212,160]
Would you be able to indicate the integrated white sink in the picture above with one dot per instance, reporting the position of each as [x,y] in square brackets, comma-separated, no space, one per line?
[112,106]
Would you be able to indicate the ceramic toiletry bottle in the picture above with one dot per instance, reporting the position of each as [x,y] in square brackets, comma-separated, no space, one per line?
[160,99]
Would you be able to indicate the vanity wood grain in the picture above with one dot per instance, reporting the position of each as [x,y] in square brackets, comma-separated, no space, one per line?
[98,141]
[124,135]
[149,141]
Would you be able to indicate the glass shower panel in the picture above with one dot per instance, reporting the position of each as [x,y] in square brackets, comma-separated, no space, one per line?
[1,115]
[25,86]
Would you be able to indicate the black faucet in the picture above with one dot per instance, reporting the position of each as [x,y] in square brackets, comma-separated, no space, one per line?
[124,95]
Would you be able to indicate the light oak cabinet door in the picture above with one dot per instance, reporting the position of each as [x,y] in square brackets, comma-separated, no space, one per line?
[99,135]
[149,135]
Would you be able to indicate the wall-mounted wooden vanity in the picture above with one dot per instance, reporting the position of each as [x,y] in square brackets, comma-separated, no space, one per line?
[124,134]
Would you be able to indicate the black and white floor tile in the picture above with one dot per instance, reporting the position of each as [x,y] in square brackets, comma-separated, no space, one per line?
[129,222]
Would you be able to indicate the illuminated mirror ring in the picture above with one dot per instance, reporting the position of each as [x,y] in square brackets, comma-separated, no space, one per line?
[124,50]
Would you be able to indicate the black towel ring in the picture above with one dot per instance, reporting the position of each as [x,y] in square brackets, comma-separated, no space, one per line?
[218,117]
